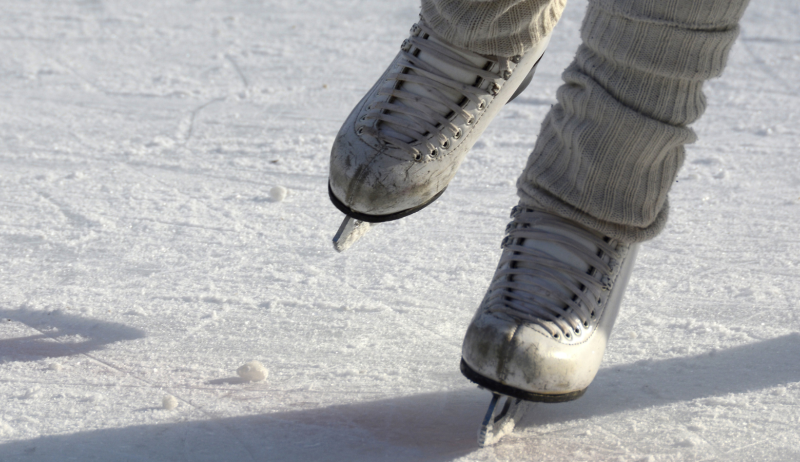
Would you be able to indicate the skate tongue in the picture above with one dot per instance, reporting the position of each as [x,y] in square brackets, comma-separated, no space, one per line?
[445,69]
[561,253]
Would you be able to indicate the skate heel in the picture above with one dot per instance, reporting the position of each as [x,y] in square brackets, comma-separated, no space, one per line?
[526,81]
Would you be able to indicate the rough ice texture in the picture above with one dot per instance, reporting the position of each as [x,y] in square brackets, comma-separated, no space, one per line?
[252,371]
[137,142]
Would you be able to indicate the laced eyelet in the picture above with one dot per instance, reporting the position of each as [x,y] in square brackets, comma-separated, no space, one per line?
[457,134]
[482,105]
[495,89]
[516,59]
[506,74]
[434,153]
[555,335]
[415,30]
[417,156]
[406,46]
[446,144]
[577,331]
[567,335]
[363,118]
[469,121]
[586,324]
[360,130]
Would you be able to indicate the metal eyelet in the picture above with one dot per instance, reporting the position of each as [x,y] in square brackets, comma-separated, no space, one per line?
[516,59]
[417,156]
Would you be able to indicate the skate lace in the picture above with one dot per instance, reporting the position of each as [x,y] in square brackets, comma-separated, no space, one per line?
[424,118]
[529,284]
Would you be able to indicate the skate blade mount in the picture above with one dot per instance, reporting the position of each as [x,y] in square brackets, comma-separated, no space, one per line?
[350,231]
[500,421]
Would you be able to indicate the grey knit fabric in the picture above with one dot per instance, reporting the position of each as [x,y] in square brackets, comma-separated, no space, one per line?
[493,27]
[610,150]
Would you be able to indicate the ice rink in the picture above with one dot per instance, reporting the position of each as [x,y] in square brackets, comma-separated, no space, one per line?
[142,254]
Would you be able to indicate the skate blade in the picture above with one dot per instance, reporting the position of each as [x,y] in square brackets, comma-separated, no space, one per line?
[497,424]
[350,231]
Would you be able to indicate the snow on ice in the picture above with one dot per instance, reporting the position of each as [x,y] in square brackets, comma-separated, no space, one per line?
[252,371]
[278,193]
[169,402]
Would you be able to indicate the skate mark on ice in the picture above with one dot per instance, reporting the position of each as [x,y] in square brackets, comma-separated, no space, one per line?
[76,219]
[186,125]
[763,65]
[238,70]
[270,177]
[770,40]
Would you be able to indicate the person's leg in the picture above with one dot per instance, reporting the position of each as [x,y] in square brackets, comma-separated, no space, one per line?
[495,27]
[609,151]
[595,184]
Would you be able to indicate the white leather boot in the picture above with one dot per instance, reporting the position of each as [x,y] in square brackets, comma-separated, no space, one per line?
[541,331]
[402,144]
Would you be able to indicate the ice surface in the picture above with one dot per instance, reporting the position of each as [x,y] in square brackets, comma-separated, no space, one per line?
[139,142]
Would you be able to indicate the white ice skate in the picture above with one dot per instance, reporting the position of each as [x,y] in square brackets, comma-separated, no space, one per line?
[402,144]
[540,333]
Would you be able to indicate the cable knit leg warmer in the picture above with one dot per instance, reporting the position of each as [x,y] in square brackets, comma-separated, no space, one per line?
[609,151]
[493,27]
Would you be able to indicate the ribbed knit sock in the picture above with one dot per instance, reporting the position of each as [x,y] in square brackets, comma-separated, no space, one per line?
[493,27]
[610,150]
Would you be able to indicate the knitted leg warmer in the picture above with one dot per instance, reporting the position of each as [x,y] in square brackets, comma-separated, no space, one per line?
[493,27]
[609,151]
